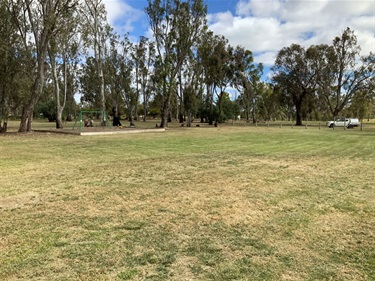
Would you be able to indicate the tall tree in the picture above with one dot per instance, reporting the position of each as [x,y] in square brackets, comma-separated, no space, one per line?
[222,65]
[175,25]
[191,86]
[216,57]
[144,57]
[63,52]
[95,33]
[126,77]
[89,84]
[38,19]
[341,71]
[247,81]
[112,66]
[204,57]
[11,60]
[119,65]
[294,73]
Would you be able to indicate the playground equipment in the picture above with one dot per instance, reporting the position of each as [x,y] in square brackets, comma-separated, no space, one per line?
[87,122]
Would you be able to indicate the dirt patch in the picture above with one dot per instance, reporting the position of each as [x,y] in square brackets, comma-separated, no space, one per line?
[19,201]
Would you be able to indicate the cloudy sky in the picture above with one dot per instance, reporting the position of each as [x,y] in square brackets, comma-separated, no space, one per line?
[266,26]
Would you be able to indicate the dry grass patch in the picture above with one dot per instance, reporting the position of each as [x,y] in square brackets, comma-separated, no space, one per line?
[215,204]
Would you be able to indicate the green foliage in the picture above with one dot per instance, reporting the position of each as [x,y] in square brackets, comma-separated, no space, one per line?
[154,112]
[228,108]
[176,26]
[144,58]
[247,81]
[361,106]
[190,99]
[339,75]
[90,85]
[46,110]
[15,67]
[295,75]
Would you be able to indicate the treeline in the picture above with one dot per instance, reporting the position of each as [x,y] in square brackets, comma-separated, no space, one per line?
[53,50]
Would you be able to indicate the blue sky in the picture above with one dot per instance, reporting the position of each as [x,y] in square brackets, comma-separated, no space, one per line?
[266,26]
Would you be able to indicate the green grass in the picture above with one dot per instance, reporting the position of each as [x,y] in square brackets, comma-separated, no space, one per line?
[228,203]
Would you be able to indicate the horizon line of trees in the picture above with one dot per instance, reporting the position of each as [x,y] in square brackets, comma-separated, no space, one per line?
[52,50]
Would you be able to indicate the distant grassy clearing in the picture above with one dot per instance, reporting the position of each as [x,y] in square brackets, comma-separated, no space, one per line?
[232,203]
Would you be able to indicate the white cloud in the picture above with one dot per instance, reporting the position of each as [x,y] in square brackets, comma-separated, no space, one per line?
[266,26]
[266,8]
[121,16]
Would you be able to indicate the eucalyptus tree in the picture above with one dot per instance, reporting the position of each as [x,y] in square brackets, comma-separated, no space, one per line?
[5,45]
[63,52]
[341,71]
[190,102]
[222,68]
[189,82]
[95,33]
[89,84]
[295,74]
[362,105]
[270,101]
[193,87]
[204,59]
[36,22]
[216,57]
[197,80]
[111,70]
[11,55]
[126,77]
[144,57]
[175,26]
[119,75]
[247,81]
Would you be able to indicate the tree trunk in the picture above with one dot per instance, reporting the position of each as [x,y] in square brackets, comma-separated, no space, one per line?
[144,112]
[166,104]
[36,90]
[164,114]
[137,91]
[3,126]
[28,109]
[253,113]
[180,98]
[219,114]
[181,118]
[210,102]
[130,113]
[59,122]
[59,106]
[298,105]
[189,120]
[26,118]
[102,96]
[144,100]
[136,111]
[247,113]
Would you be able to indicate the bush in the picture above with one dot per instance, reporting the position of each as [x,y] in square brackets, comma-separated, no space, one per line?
[47,110]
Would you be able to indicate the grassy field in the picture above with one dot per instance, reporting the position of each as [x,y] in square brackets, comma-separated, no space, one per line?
[228,203]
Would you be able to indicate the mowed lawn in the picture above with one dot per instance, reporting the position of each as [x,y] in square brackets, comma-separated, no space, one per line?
[228,203]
